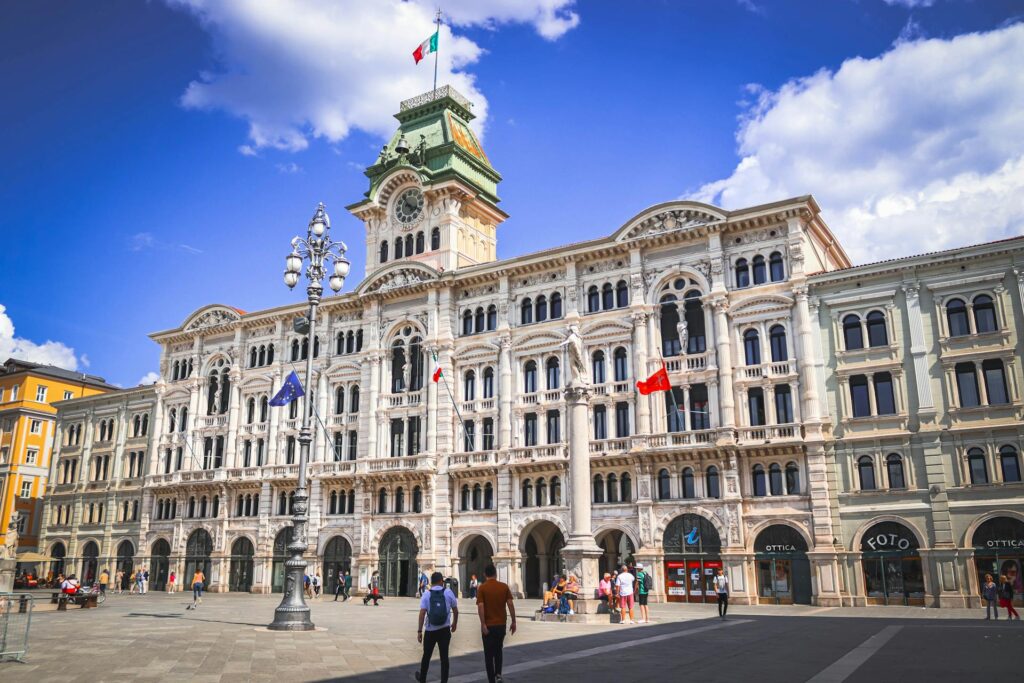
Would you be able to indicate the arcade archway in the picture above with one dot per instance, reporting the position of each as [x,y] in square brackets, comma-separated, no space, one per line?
[337,558]
[541,545]
[783,570]
[693,556]
[474,555]
[398,569]
[280,556]
[125,553]
[198,549]
[160,565]
[618,549]
[242,552]
[90,563]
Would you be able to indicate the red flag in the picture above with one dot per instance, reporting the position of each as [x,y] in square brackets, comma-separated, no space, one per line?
[437,374]
[657,382]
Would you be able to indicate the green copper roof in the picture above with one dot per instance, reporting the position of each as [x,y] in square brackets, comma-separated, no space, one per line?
[441,144]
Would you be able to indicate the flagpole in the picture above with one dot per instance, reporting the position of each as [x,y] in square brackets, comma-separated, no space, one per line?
[452,397]
[438,46]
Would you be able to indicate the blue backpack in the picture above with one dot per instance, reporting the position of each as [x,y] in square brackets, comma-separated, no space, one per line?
[437,608]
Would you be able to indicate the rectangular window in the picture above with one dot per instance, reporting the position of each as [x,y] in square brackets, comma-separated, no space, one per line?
[530,429]
[600,422]
[755,402]
[31,455]
[488,434]
[621,420]
[783,405]
[26,488]
[469,428]
[700,415]
[41,394]
[413,436]
[995,382]
[5,453]
[967,385]
[885,400]
[859,396]
[396,437]
[675,410]
[554,435]
[68,395]
[353,444]
[36,426]
[14,393]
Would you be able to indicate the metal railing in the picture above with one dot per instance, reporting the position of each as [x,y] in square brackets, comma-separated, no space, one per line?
[15,619]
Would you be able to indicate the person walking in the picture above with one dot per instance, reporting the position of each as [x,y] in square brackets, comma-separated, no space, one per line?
[493,598]
[138,581]
[439,616]
[348,586]
[145,580]
[374,593]
[132,582]
[473,585]
[422,585]
[626,584]
[170,581]
[340,588]
[1006,598]
[198,579]
[722,590]
[990,594]
[104,580]
[119,582]
[316,584]
[644,583]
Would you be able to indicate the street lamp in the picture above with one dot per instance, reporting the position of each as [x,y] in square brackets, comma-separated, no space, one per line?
[316,249]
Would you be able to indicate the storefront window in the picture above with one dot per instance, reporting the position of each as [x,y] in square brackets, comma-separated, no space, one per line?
[692,558]
[783,570]
[999,551]
[893,573]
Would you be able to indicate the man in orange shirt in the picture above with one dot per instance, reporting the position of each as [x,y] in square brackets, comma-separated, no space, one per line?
[492,597]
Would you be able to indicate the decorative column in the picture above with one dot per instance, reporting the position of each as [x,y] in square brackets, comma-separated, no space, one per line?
[723,353]
[643,403]
[805,364]
[505,393]
[581,553]
[432,407]
[371,422]
[234,408]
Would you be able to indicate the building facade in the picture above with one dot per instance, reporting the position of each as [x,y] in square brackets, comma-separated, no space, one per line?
[738,467]
[28,392]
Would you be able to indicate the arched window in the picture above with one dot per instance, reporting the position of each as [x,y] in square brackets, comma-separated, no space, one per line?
[877,334]
[400,500]
[305,349]
[382,500]
[488,382]
[593,299]
[465,498]
[172,416]
[384,252]
[253,355]
[398,248]
[669,326]
[777,338]
[250,411]
[597,367]
[693,313]
[556,491]
[607,296]
[612,488]
[775,479]
[689,491]
[530,377]
[792,479]
[894,468]
[752,347]
[866,473]
[956,316]
[467,322]
[339,400]
[353,400]
[664,485]
[435,239]
[488,496]
[995,382]
[778,271]
[621,365]
[469,386]
[984,314]
[527,494]
[713,482]
[526,311]
[853,336]
[760,273]
[760,485]
[417,499]
[202,506]
[541,307]
[542,492]
[598,488]
[626,488]
[978,467]
[479,319]
[552,370]
[270,354]
[556,305]
[742,273]
[621,294]
[333,509]
[1009,463]
[492,318]
[420,243]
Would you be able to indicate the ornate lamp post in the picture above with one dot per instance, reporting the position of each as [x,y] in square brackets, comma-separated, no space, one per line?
[316,249]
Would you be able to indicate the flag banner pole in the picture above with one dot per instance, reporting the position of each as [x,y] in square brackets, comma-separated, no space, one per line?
[316,414]
[454,404]
[438,46]
[671,391]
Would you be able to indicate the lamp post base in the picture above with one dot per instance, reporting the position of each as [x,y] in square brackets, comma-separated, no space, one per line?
[291,619]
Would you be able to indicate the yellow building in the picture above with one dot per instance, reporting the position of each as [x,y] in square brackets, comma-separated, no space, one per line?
[27,422]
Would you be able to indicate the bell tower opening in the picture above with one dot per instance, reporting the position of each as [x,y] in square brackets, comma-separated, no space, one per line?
[433,192]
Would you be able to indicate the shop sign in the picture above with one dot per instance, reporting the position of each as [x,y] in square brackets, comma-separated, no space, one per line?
[677,590]
[779,548]
[1015,543]
[891,537]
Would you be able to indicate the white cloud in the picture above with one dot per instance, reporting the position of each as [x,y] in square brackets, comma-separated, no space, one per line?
[48,353]
[289,168]
[319,68]
[921,148]
[911,3]
[149,378]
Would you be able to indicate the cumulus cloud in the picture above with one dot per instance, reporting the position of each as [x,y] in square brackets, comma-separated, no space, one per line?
[921,148]
[319,68]
[48,353]
[149,378]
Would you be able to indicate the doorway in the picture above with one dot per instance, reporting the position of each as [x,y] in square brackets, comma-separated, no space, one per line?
[337,558]
[240,579]
[160,565]
[398,569]
[783,570]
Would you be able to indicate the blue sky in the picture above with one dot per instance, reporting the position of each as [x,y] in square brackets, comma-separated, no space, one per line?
[158,156]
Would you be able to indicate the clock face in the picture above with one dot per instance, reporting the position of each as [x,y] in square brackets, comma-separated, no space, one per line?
[409,205]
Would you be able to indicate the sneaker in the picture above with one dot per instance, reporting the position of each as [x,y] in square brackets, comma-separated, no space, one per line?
[417,676]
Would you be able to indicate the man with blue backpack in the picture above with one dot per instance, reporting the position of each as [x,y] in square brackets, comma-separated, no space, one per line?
[439,617]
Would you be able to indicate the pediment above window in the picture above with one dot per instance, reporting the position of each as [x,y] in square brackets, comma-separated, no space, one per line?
[398,276]
[212,316]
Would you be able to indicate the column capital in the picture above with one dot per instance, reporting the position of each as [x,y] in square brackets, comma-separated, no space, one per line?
[576,394]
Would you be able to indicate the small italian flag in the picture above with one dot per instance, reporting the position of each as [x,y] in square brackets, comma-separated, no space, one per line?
[425,48]
[437,374]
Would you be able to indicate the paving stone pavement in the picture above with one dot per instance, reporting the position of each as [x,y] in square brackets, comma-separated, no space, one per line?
[154,638]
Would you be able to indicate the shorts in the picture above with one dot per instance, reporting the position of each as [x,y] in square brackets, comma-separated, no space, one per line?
[641,599]
[626,601]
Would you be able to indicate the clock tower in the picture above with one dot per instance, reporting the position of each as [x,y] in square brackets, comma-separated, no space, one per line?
[433,192]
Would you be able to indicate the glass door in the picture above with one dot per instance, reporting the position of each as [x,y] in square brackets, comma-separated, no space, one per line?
[775,581]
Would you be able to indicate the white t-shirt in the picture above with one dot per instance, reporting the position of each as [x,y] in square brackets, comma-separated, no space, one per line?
[451,602]
[625,583]
[722,584]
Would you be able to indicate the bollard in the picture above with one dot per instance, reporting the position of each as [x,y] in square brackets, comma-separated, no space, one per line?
[23,604]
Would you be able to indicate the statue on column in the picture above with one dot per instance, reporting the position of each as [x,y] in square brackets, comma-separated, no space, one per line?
[683,330]
[10,547]
[407,373]
[579,375]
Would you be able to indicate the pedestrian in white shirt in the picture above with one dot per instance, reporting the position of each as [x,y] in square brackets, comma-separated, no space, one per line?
[722,589]
[625,582]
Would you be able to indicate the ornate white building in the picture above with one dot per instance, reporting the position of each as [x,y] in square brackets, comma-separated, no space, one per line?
[737,467]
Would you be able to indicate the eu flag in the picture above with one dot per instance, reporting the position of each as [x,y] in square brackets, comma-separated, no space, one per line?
[290,390]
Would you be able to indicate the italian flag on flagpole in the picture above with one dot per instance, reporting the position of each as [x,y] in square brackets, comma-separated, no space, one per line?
[425,48]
